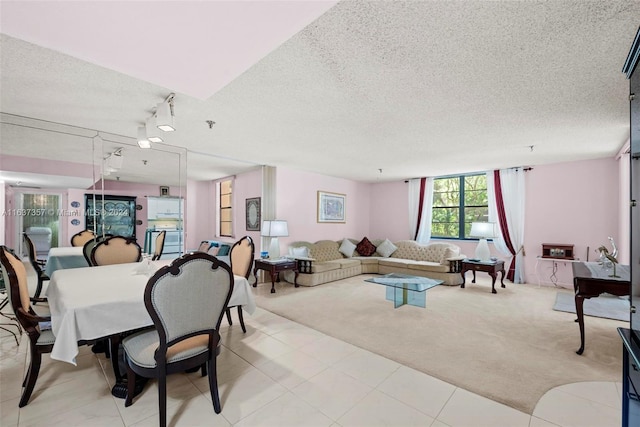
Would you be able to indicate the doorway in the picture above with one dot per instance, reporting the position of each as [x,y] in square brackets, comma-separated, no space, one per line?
[38,215]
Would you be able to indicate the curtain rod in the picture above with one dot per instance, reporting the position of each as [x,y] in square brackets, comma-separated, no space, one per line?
[524,168]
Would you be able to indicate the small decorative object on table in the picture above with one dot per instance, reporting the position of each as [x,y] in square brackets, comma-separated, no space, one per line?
[607,259]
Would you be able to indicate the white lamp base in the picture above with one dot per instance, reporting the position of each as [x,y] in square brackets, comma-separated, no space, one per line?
[274,248]
[482,251]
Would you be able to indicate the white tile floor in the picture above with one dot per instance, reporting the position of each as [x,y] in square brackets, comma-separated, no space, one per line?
[283,374]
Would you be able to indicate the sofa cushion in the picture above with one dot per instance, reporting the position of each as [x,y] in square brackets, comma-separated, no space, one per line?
[386,248]
[365,247]
[347,247]
[347,262]
[321,267]
[299,252]
[447,254]
[325,250]
[394,262]
[428,266]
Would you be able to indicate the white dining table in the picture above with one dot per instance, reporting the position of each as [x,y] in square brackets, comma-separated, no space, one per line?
[95,302]
[65,257]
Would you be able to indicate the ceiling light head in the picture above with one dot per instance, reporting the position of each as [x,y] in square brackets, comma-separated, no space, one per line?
[164,115]
[153,133]
[143,141]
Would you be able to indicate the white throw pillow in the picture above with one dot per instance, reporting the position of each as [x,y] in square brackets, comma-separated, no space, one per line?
[347,247]
[386,248]
[301,251]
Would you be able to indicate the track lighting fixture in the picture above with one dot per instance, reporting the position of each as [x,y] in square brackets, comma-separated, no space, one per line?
[153,133]
[143,141]
[164,115]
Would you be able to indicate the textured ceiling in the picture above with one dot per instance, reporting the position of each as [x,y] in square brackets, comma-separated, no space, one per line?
[412,88]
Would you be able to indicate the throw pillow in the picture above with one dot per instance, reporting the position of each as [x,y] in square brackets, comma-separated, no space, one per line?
[386,248]
[365,247]
[213,250]
[302,252]
[448,253]
[347,247]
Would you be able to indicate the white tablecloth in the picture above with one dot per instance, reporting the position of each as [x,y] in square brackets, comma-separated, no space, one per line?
[67,257]
[94,302]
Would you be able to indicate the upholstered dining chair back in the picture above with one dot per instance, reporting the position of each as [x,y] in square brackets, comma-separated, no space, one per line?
[79,239]
[116,250]
[241,256]
[87,248]
[41,341]
[186,301]
[157,253]
[38,265]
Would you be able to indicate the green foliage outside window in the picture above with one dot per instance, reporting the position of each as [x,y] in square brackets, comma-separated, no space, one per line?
[457,202]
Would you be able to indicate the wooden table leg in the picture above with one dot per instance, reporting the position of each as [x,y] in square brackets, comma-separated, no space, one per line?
[295,279]
[273,281]
[493,282]
[255,269]
[502,279]
[463,278]
[580,313]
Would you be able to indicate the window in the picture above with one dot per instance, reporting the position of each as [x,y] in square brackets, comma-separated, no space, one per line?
[457,202]
[225,211]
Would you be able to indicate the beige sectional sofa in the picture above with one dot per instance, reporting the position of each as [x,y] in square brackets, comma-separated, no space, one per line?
[326,263]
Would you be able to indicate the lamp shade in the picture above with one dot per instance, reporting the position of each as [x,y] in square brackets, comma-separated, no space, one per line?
[483,230]
[274,228]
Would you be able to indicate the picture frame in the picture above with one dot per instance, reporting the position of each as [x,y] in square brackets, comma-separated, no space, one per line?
[332,207]
[253,214]
[164,191]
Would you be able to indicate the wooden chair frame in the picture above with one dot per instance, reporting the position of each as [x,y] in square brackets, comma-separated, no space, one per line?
[240,272]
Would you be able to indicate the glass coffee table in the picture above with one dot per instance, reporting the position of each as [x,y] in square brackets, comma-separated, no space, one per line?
[405,289]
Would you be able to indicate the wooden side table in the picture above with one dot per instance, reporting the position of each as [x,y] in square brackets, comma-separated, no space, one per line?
[274,268]
[488,267]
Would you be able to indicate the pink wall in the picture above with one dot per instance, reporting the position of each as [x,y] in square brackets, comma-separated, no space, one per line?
[575,203]
[200,213]
[246,185]
[297,203]
[46,166]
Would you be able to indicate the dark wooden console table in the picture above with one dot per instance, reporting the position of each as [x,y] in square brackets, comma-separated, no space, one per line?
[492,267]
[274,268]
[590,280]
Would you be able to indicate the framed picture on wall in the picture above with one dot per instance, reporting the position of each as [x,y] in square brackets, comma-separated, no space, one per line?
[331,207]
[164,191]
[253,214]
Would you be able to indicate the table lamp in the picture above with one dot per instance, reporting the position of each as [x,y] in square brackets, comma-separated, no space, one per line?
[274,229]
[483,231]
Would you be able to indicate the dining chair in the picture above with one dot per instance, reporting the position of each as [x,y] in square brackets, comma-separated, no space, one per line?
[4,301]
[241,257]
[157,253]
[38,266]
[82,237]
[41,337]
[186,302]
[116,250]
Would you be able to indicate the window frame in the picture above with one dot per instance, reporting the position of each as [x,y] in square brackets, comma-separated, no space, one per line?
[461,206]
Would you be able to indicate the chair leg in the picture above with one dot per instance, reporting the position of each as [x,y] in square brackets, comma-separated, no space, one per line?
[162,398]
[203,369]
[228,312]
[241,319]
[32,376]
[38,289]
[213,384]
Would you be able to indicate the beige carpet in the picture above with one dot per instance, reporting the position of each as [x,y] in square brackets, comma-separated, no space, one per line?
[511,347]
